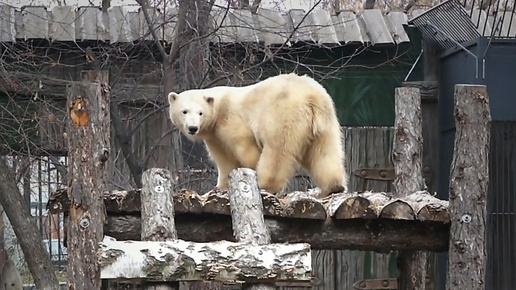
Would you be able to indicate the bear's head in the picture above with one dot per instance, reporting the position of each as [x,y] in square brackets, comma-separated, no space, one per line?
[191,112]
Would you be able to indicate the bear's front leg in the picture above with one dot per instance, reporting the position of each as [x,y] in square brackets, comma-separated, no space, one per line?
[225,163]
[274,170]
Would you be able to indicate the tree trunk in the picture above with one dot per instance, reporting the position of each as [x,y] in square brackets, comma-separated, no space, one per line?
[26,231]
[157,215]
[247,212]
[408,159]
[468,189]
[88,142]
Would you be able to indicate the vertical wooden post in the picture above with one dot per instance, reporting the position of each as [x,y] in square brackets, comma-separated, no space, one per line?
[88,134]
[157,214]
[247,212]
[468,189]
[407,159]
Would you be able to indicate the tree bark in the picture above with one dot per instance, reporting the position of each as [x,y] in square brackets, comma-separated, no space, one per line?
[379,235]
[468,188]
[88,142]
[247,212]
[157,216]
[407,159]
[219,261]
[26,231]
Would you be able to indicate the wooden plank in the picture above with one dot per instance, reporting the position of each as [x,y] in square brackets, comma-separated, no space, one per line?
[469,181]
[90,25]
[88,131]
[396,21]
[242,19]
[142,26]
[376,27]
[301,24]
[224,31]
[62,23]
[119,24]
[377,142]
[272,27]
[7,23]
[35,22]
[323,29]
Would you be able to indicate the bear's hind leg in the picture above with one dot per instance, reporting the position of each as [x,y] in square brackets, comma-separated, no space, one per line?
[274,170]
[324,161]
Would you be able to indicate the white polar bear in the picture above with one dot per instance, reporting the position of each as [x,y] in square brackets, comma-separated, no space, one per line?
[274,126]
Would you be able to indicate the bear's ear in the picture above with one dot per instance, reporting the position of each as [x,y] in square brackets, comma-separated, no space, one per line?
[172,97]
[209,100]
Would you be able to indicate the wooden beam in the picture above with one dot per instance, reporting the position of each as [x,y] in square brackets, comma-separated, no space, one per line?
[380,235]
[407,159]
[88,134]
[30,84]
[468,189]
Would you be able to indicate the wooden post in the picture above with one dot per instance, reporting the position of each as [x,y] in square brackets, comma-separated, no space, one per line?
[157,214]
[88,134]
[407,159]
[468,189]
[247,212]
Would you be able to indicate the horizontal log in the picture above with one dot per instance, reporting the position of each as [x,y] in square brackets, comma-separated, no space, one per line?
[380,235]
[27,83]
[218,261]
[296,205]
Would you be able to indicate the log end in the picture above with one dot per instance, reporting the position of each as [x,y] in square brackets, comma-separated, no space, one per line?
[398,209]
[354,207]
[217,202]
[302,205]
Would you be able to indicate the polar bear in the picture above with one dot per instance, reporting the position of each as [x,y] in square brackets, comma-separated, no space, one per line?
[275,126]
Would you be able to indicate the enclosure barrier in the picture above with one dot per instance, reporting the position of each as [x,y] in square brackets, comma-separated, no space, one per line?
[179,243]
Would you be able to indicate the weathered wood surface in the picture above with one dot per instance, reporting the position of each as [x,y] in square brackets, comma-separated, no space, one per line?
[247,214]
[218,261]
[408,142]
[419,205]
[157,215]
[407,157]
[468,188]
[381,235]
[88,134]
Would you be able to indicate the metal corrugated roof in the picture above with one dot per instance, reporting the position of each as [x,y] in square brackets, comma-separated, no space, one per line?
[127,24]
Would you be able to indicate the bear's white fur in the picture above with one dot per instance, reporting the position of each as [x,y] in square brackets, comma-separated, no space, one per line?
[275,127]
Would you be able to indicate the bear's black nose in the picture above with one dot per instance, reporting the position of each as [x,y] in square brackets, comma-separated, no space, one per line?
[192,130]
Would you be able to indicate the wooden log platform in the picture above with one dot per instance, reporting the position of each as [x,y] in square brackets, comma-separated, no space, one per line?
[372,221]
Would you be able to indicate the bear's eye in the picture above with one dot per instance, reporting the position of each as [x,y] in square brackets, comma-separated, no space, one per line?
[200,113]
[185,111]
